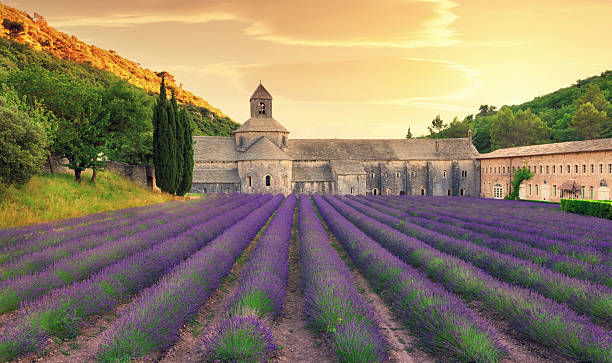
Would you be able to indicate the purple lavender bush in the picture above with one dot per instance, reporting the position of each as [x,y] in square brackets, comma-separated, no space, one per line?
[442,321]
[61,311]
[536,317]
[333,305]
[154,319]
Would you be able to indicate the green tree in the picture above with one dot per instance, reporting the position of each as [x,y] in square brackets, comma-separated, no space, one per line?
[82,121]
[22,143]
[164,142]
[519,175]
[437,125]
[14,27]
[589,122]
[523,128]
[187,174]
[595,96]
[409,134]
[180,143]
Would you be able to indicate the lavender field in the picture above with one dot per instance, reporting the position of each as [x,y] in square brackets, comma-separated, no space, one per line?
[247,278]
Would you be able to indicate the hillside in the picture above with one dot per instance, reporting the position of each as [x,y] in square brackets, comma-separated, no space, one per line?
[40,36]
[47,198]
[555,109]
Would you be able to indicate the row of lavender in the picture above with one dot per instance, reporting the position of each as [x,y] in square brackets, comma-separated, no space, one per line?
[67,270]
[61,311]
[533,315]
[588,231]
[245,336]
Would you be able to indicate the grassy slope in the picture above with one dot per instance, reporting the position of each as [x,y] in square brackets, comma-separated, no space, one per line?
[46,198]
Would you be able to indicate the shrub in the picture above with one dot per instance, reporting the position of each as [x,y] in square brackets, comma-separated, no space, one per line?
[596,208]
[22,144]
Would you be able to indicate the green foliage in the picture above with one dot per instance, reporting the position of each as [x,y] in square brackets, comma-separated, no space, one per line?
[596,208]
[164,142]
[455,129]
[409,134]
[511,129]
[180,143]
[187,176]
[437,125]
[519,175]
[22,139]
[557,110]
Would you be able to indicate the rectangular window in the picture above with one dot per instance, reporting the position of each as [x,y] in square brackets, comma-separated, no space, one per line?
[569,169]
[555,189]
[504,170]
[576,169]
[592,169]
[582,192]
[560,169]
[610,168]
[591,190]
[529,189]
[600,168]
[554,169]
[537,190]
[584,168]
[547,169]
[540,169]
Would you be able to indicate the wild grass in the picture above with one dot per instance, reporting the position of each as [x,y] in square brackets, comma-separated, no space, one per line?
[46,198]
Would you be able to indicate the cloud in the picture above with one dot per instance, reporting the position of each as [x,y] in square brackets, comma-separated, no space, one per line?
[392,80]
[365,23]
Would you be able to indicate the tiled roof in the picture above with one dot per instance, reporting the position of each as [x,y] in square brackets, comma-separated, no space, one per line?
[214,148]
[397,149]
[347,167]
[263,149]
[556,148]
[261,124]
[311,173]
[261,93]
[215,176]
[570,185]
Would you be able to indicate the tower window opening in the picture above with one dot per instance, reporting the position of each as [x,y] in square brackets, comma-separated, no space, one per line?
[262,108]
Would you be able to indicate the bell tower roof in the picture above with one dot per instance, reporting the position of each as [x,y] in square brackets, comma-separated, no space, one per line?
[261,93]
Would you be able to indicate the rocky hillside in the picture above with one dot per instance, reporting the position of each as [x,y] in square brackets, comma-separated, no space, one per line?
[40,36]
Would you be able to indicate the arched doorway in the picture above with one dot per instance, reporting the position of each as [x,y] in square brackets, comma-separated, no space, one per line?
[374,191]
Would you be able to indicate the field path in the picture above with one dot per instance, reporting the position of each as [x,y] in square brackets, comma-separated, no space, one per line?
[188,348]
[299,343]
[404,346]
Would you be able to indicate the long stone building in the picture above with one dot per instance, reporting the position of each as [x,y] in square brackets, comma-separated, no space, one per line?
[262,158]
[576,169]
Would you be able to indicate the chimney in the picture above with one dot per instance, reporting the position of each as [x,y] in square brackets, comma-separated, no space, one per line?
[469,135]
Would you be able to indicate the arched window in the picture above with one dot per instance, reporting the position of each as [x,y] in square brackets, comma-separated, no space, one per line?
[398,174]
[352,190]
[301,189]
[422,191]
[285,180]
[374,191]
[413,174]
[262,108]
[268,180]
[249,181]
[204,190]
[498,193]
[444,173]
[449,192]
[372,175]
[388,191]
[462,192]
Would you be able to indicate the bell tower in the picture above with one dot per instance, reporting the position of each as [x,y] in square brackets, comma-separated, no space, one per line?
[261,123]
[261,103]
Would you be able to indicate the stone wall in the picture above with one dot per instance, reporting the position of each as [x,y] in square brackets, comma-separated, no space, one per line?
[280,172]
[313,187]
[550,171]
[215,188]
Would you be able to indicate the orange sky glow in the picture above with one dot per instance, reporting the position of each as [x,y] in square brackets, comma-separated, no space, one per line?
[351,68]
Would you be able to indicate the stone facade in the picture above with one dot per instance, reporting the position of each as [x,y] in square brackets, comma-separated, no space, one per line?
[585,164]
[261,158]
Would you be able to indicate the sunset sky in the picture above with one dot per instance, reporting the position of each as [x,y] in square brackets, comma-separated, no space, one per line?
[351,68]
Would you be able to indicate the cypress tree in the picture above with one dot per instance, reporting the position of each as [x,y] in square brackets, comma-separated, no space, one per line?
[185,186]
[160,121]
[179,136]
[169,155]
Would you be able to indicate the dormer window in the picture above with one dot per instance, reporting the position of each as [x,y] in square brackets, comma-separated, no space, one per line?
[262,108]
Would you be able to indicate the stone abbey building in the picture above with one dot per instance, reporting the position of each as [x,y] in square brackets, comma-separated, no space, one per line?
[262,158]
